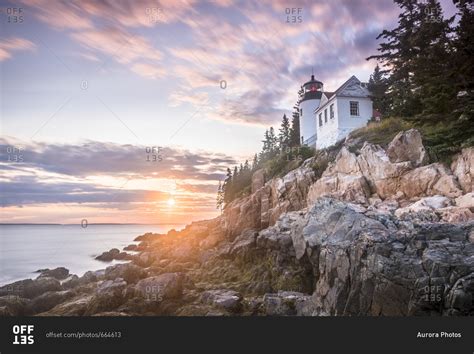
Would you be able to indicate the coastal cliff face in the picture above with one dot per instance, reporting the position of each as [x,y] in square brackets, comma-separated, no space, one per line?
[379,232]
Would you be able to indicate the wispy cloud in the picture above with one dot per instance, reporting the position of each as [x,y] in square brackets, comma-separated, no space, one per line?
[9,45]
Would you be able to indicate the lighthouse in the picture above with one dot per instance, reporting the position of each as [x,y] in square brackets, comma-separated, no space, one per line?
[309,102]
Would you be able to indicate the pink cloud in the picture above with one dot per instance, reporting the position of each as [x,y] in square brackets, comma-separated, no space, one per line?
[147,70]
[10,45]
[59,14]
[119,44]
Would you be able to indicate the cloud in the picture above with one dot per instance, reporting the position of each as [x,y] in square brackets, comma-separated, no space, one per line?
[59,14]
[7,46]
[88,174]
[148,70]
[119,44]
[188,96]
[79,14]
[119,160]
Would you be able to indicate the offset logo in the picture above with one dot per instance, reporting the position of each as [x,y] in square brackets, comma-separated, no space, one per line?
[23,334]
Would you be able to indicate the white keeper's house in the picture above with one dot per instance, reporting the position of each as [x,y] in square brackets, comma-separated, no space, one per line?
[328,117]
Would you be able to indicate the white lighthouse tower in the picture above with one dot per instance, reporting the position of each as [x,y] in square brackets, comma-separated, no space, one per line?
[309,102]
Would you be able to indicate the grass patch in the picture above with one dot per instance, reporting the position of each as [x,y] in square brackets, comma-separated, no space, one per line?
[381,133]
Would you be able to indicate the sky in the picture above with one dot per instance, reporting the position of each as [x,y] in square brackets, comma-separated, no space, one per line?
[131,111]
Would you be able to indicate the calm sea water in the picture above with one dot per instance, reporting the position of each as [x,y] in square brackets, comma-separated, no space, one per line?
[27,248]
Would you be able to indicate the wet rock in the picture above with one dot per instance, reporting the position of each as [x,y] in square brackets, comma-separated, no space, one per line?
[30,288]
[111,255]
[131,273]
[131,247]
[48,300]
[59,273]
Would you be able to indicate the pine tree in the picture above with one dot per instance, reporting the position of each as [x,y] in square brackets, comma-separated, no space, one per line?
[220,196]
[295,121]
[378,85]
[463,64]
[255,162]
[284,134]
[227,187]
[272,141]
[432,66]
[417,54]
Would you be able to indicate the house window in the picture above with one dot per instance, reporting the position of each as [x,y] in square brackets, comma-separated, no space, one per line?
[301,111]
[326,115]
[354,106]
[320,119]
[331,111]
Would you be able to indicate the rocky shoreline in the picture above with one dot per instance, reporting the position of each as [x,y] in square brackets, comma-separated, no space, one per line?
[378,232]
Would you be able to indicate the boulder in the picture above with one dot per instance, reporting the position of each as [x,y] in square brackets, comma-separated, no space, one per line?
[48,300]
[378,265]
[342,179]
[76,306]
[456,214]
[425,204]
[463,168]
[30,288]
[108,295]
[114,253]
[12,305]
[59,273]
[407,146]
[129,272]
[131,247]
[466,201]
[430,180]
[158,288]
[381,174]
[227,299]
[284,303]
[71,282]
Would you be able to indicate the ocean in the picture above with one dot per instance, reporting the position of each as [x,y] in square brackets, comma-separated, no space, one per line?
[26,248]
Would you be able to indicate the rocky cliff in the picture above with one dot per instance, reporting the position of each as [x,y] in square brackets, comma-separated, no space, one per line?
[378,232]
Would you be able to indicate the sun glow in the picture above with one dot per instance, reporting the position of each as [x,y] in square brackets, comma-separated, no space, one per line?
[171,202]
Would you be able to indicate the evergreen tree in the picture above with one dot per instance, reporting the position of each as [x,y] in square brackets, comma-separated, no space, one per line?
[463,64]
[295,121]
[272,141]
[284,134]
[220,196]
[236,174]
[295,127]
[417,53]
[378,85]
[255,162]
[247,166]
[227,187]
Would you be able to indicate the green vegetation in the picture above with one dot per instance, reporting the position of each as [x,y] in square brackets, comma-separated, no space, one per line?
[425,81]
[428,76]
[280,154]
